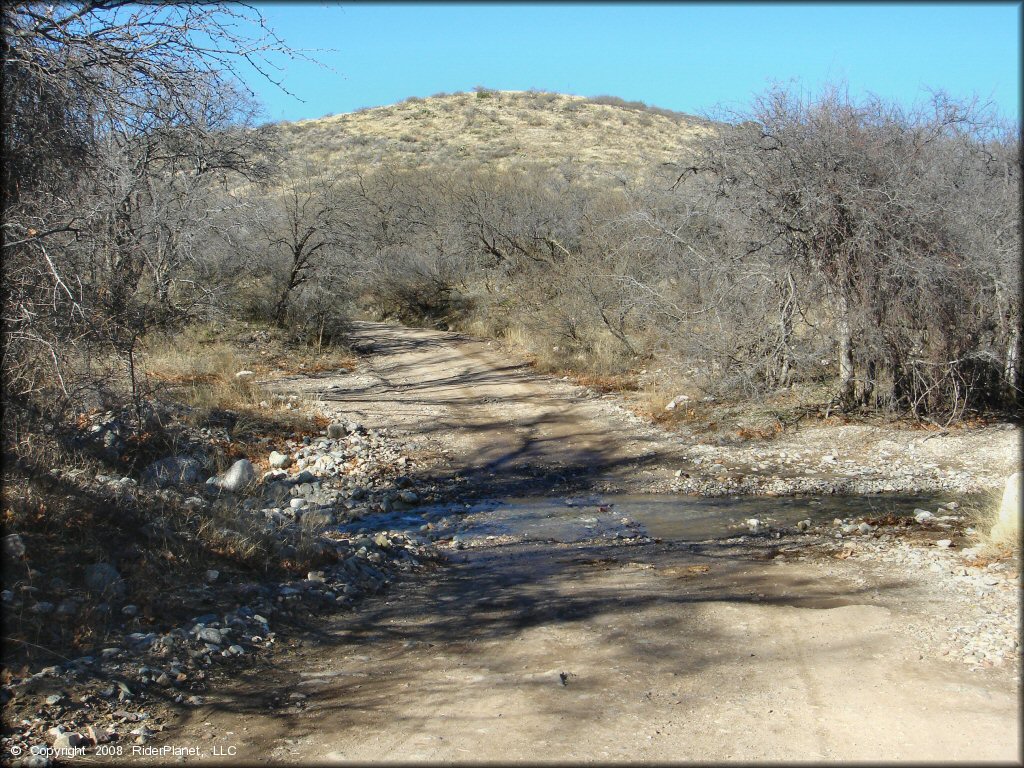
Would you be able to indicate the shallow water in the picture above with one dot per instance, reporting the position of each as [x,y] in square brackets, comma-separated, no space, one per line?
[664,516]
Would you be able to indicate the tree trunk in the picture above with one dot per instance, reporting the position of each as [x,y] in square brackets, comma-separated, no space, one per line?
[843,336]
[1011,370]
[786,309]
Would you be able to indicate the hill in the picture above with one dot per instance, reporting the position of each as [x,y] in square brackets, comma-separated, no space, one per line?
[600,136]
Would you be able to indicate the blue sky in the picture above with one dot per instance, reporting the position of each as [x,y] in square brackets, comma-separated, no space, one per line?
[688,57]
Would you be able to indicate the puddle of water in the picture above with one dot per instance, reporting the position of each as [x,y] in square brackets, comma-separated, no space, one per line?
[665,516]
[673,518]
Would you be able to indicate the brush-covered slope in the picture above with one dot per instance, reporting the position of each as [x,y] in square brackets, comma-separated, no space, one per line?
[598,137]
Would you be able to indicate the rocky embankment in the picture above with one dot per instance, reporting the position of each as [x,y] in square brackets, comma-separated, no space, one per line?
[122,691]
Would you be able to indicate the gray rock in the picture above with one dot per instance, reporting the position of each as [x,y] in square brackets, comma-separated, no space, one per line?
[173,470]
[236,650]
[42,608]
[238,477]
[69,741]
[104,579]
[280,460]
[210,635]
[864,528]
[409,497]
[14,546]
[803,525]
[212,575]
[923,515]
[297,503]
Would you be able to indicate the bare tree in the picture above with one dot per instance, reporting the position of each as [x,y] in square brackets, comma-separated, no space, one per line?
[115,124]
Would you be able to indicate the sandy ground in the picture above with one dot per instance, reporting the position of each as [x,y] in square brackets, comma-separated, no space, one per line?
[602,649]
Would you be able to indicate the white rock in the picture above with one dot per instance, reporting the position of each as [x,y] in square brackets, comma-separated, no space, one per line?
[1008,524]
[922,515]
[244,375]
[280,460]
[297,503]
[240,475]
[944,543]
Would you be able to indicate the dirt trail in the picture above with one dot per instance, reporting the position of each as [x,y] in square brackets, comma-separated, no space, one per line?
[599,650]
[469,407]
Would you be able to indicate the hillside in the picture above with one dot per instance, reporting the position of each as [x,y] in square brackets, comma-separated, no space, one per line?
[603,136]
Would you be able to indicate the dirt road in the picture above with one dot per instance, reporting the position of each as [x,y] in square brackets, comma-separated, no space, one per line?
[595,644]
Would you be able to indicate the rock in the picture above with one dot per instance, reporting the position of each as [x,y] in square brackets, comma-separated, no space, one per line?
[212,575]
[944,543]
[130,611]
[236,650]
[68,741]
[409,497]
[923,515]
[280,460]
[173,470]
[55,698]
[14,546]
[753,524]
[99,735]
[297,503]
[803,525]
[352,427]
[42,608]
[1007,528]
[238,477]
[104,579]
[864,528]
[335,430]
[194,503]
[210,635]
[243,375]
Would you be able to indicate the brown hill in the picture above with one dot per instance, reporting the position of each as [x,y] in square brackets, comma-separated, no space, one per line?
[597,137]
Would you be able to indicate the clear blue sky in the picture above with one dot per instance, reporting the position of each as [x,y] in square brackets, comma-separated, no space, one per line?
[686,57]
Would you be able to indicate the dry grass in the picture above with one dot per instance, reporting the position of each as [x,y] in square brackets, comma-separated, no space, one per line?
[199,367]
[506,129]
[993,539]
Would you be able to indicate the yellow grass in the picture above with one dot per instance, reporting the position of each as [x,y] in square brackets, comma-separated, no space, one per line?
[506,129]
